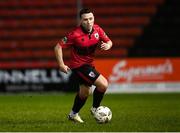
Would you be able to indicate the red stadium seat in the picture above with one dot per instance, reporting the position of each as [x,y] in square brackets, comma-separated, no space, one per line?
[41,3]
[37,23]
[38,12]
[125,10]
[27,44]
[33,33]
[28,64]
[124,21]
[121,52]
[122,2]
[30,29]
[30,54]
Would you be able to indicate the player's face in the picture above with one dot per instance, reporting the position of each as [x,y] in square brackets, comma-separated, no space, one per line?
[87,21]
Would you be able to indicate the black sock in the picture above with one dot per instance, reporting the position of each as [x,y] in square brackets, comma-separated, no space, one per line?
[97,98]
[78,103]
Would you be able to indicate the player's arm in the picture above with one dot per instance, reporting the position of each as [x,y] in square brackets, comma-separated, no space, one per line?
[59,56]
[106,42]
[106,45]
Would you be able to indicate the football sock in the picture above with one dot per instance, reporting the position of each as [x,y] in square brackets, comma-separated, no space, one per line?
[72,113]
[97,98]
[78,103]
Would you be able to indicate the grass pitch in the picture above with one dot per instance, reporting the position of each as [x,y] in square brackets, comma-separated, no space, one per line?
[131,112]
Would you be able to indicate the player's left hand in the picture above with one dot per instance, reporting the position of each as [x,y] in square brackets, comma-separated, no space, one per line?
[105,46]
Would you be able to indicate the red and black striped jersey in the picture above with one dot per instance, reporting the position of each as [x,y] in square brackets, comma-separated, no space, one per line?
[83,44]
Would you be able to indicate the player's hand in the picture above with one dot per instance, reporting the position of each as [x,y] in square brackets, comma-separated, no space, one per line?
[105,46]
[64,68]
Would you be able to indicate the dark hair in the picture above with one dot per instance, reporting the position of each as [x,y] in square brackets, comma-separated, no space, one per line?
[83,11]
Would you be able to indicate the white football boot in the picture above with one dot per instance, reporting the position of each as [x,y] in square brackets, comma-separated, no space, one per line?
[75,118]
[93,110]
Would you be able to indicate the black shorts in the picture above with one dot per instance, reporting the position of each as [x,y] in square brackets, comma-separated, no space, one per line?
[86,74]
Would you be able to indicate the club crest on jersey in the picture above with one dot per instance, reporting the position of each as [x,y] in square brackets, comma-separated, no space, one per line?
[96,35]
[64,40]
[92,74]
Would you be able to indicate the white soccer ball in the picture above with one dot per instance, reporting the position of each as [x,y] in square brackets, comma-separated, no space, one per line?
[103,114]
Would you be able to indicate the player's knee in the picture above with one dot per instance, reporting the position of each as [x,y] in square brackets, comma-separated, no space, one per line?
[103,87]
[83,94]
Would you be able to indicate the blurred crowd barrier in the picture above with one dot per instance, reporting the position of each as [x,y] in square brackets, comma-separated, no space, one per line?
[124,75]
[141,74]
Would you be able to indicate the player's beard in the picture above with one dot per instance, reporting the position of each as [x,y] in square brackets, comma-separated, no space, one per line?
[88,27]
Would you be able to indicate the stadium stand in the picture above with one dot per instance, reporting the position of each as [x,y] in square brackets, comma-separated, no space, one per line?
[123,20]
[161,36]
[30,29]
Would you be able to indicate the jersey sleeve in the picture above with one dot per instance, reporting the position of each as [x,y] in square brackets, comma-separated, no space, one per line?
[103,36]
[66,41]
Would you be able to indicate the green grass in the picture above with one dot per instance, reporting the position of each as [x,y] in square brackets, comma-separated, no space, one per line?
[131,112]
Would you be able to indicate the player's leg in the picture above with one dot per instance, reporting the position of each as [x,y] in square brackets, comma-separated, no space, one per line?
[101,86]
[80,98]
[79,101]
[87,75]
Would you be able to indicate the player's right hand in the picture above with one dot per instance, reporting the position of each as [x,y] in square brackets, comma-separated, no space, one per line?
[64,68]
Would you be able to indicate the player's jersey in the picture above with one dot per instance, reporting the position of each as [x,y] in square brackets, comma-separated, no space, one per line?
[83,45]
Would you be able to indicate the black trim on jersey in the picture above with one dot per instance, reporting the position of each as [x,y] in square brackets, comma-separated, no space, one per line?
[85,50]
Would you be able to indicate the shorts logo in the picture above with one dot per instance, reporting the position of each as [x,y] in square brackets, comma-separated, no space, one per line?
[92,74]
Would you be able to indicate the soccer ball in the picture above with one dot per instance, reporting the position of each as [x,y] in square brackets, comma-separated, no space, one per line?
[103,114]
